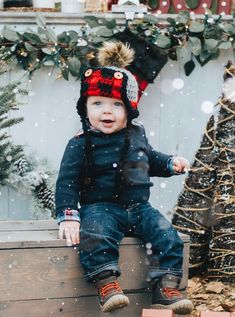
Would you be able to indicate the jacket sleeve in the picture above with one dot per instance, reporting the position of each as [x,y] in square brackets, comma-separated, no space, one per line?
[160,164]
[68,184]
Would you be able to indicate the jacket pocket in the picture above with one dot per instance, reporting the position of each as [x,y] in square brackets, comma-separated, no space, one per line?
[136,173]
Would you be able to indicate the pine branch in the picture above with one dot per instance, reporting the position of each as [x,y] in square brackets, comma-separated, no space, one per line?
[9,153]
[4,136]
[10,122]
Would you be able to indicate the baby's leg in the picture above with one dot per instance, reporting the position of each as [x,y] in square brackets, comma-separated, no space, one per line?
[102,227]
[165,255]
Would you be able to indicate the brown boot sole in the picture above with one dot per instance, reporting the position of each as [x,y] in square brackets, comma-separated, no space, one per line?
[115,302]
[182,307]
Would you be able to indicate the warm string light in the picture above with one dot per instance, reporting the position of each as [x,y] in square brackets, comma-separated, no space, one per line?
[205,208]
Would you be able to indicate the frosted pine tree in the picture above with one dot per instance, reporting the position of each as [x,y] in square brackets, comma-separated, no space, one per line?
[9,153]
[16,170]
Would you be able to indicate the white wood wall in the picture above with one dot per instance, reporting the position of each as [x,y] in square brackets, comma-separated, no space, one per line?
[173,119]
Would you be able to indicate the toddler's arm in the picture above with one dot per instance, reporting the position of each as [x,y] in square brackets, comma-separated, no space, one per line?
[70,231]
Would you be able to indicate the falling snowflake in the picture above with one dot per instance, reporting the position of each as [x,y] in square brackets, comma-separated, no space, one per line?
[207,106]
[178,83]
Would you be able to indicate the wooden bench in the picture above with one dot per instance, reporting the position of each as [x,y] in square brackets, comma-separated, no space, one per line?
[41,277]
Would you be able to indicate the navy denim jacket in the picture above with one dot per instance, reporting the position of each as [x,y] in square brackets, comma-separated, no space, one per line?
[142,163]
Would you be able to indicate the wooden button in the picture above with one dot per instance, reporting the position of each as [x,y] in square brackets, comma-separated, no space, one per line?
[118,75]
[88,72]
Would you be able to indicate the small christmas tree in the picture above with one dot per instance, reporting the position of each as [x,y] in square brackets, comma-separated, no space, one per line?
[193,211]
[9,153]
[222,243]
[206,207]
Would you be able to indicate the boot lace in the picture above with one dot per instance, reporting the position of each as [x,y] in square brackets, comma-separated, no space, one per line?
[109,288]
[171,292]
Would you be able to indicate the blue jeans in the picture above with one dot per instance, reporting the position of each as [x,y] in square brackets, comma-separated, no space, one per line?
[104,224]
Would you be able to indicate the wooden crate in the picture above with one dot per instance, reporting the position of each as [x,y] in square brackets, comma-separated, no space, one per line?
[40,276]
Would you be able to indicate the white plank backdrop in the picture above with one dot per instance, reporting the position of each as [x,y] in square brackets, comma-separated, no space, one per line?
[170,109]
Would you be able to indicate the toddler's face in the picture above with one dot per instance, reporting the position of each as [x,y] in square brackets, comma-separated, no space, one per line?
[106,114]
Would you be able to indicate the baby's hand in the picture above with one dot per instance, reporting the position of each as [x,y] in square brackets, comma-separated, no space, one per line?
[70,231]
[180,165]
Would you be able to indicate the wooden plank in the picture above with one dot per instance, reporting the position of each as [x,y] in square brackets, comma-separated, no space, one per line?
[33,236]
[73,307]
[31,225]
[32,244]
[57,272]
[29,239]
[70,307]
[41,230]
[47,268]
[38,225]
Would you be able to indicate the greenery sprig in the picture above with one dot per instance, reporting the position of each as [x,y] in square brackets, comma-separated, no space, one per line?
[9,152]
[201,39]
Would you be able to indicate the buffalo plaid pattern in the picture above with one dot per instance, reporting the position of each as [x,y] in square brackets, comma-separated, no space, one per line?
[142,83]
[110,82]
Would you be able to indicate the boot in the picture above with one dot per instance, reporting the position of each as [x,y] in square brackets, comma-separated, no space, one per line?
[110,293]
[166,295]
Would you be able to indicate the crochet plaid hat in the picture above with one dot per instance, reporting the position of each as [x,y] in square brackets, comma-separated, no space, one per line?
[111,79]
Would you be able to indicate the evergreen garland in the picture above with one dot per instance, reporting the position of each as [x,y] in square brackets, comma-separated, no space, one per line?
[71,51]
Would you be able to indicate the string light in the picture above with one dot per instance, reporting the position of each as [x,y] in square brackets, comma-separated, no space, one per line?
[210,187]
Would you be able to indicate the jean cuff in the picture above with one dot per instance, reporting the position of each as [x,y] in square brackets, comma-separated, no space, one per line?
[113,266]
[157,273]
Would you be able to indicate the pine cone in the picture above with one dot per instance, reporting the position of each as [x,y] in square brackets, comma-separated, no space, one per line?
[46,196]
[22,166]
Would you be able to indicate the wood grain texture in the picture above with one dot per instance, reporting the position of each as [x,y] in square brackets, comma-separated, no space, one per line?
[73,307]
[70,307]
[28,225]
[38,273]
